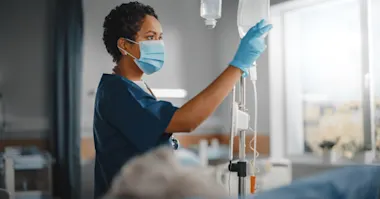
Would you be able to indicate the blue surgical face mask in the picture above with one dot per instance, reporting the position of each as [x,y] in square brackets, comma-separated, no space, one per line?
[152,55]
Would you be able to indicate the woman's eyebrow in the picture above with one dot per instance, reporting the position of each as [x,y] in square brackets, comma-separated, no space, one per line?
[153,32]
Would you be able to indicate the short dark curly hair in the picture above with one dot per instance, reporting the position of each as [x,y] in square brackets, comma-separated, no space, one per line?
[124,21]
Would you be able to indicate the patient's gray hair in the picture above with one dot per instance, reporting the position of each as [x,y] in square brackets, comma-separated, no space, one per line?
[159,175]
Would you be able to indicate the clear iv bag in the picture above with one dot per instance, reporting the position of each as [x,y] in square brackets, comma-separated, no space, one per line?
[211,10]
[250,12]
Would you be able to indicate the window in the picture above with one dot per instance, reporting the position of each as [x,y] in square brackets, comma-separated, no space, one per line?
[375,36]
[320,66]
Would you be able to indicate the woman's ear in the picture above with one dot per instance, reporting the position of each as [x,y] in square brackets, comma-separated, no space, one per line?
[121,46]
[125,47]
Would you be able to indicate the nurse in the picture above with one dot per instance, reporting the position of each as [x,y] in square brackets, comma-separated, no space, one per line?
[128,119]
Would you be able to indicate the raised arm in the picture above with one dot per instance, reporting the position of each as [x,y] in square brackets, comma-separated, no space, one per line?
[198,109]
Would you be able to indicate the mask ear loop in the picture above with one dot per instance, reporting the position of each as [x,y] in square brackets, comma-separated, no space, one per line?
[124,51]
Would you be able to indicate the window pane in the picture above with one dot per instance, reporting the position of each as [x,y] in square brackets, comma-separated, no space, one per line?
[375,16]
[323,73]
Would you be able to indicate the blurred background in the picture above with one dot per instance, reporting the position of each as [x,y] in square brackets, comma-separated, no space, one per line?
[316,83]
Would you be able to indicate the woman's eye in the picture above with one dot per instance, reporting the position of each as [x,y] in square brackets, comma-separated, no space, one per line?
[150,37]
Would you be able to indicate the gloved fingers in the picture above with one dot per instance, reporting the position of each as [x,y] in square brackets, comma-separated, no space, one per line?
[262,31]
[266,29]
[261,23]
[252,31]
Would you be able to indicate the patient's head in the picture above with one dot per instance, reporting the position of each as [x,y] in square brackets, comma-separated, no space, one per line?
[158,175]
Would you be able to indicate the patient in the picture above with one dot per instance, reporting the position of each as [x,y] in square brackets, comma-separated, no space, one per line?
[159,175]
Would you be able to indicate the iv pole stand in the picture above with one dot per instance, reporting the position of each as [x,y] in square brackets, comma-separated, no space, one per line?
[242,175]
[241,166]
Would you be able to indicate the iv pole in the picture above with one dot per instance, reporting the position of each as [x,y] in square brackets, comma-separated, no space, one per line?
[239,113]
[240,117]
[240,120]
[242,161]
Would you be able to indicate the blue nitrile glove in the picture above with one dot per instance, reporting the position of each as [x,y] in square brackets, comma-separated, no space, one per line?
[252,45]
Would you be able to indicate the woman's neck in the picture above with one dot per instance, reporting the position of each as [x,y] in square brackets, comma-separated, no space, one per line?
[128,69]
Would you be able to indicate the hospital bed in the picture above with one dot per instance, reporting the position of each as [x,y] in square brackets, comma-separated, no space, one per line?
[353,182]
[346,182]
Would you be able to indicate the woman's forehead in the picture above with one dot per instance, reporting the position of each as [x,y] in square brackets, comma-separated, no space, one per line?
[151,24]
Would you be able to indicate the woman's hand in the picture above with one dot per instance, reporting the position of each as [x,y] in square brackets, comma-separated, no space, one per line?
[198,109]
[251,47]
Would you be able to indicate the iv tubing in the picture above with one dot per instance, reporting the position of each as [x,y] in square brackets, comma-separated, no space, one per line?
[253,75]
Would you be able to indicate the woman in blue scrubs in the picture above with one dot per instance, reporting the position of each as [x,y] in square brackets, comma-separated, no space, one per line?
[128,119]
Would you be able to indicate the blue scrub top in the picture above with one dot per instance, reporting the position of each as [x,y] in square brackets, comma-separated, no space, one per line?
[127,122]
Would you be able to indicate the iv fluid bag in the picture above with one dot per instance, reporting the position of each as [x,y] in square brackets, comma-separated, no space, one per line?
[211,10]
[250,12]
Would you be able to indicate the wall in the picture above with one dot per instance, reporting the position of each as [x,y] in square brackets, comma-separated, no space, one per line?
[24,67]
[190,58]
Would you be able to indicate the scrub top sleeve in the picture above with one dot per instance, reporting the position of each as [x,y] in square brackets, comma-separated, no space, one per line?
[141,121]
[162,111]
